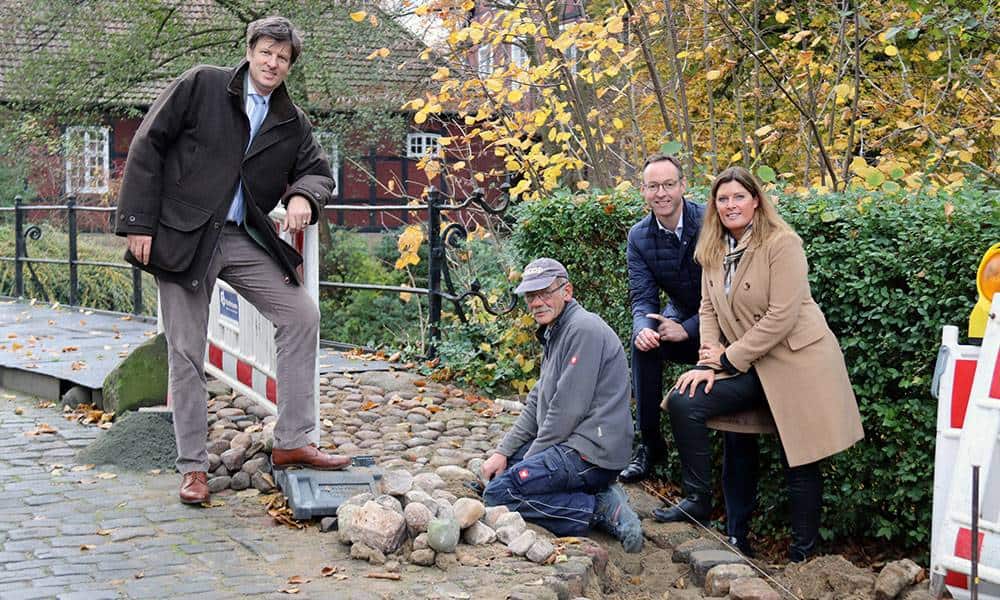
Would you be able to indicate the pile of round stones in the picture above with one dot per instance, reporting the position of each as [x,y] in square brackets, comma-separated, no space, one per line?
[240,437]
[407,422]
[416,519]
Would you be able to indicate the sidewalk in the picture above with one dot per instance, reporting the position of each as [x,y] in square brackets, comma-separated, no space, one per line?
[70,532]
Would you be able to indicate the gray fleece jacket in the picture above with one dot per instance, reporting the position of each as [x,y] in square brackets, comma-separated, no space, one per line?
[582,396]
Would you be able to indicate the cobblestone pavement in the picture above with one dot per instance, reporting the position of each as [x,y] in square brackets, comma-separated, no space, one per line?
[68,532]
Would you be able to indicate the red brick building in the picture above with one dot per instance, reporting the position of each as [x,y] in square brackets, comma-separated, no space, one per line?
[341,80]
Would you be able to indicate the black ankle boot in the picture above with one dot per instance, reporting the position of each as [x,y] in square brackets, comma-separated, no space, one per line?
[696,507]
[639,468]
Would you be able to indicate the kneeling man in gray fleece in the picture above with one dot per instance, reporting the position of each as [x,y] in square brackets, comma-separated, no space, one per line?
[558,463]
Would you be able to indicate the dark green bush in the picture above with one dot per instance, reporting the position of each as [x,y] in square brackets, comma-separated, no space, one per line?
[889,271]
[361,317]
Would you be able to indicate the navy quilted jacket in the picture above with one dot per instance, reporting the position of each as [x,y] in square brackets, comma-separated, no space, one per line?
[657,260]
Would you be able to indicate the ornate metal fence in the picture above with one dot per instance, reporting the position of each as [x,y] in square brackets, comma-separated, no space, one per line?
[437,202]
[21,259]
[437,269]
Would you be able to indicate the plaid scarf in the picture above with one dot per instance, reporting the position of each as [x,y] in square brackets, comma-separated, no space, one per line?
[735,250]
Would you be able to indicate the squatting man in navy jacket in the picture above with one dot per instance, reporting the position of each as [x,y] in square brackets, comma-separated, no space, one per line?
[661,258]
[558,463]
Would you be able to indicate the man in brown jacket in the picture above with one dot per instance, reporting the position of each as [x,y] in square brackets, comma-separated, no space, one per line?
[215,154]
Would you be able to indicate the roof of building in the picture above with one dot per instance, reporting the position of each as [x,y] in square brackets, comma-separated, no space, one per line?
[117,53]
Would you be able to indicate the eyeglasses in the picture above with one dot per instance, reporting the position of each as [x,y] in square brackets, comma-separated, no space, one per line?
[544,295]
[666,186]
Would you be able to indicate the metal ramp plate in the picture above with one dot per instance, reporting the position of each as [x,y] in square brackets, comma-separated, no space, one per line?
[312,494]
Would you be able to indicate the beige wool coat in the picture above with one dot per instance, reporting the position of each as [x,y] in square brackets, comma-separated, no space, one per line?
[769,321]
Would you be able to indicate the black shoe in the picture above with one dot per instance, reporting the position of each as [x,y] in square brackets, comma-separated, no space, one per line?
[742,544]
[695,507]
[638,469]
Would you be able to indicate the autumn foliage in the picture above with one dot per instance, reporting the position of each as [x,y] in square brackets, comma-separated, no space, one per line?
[891,95]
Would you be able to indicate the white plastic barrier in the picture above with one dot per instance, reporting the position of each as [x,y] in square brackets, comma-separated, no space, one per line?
[240,349]
[967,382]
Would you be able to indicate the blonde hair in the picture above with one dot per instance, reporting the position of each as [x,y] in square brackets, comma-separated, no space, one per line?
[767,223]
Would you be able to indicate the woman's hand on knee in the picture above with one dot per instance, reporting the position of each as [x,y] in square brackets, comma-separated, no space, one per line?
[691,379]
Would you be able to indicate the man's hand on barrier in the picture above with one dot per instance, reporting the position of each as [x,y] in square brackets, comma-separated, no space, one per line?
[298,213]
[493,466]
[139,246]
[647,339]
[669,330]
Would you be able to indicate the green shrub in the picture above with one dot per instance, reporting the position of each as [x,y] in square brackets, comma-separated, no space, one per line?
[361,317]
[103,288]
[495,354]
[889,271]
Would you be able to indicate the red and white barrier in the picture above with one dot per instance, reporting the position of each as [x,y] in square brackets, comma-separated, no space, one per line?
[240,350]
[967,383]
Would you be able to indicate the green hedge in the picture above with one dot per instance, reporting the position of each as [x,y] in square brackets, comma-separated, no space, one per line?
[889,272]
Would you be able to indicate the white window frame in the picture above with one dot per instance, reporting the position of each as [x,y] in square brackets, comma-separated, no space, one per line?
[519,57]
[87,159]
[421,144]
[329,141]
[484,60]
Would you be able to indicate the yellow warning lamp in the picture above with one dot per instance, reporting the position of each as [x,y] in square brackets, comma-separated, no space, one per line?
[988,284]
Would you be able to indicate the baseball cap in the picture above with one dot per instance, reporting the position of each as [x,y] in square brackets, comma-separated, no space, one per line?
[539,274]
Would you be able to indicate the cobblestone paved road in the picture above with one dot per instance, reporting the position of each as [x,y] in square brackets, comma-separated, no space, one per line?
[84,534]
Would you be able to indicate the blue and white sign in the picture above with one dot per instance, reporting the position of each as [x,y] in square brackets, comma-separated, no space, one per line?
[229,307]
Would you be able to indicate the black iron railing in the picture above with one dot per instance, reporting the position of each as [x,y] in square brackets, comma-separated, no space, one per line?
[437,202]
[21,259]
[437,268]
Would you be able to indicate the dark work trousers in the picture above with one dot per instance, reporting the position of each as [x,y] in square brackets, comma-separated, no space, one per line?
[554,488]
[688,417]
[647,383]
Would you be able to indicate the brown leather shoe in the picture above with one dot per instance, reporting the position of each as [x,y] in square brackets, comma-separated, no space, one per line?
[194,488]
[307,457]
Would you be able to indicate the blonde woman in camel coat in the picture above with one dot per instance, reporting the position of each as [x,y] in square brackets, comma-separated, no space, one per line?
[765,343]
